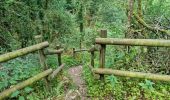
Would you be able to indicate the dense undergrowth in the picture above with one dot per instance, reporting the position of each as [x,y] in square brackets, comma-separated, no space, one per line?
[122,88]
[20,69]
[113,87]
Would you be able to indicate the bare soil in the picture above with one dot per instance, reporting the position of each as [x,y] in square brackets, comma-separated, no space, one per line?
[76,75]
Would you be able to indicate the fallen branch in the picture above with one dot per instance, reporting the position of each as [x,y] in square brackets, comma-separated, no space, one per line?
[25,83]
[142,22]
[150,76]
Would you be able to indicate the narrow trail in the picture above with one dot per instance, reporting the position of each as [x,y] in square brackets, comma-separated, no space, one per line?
[76,75]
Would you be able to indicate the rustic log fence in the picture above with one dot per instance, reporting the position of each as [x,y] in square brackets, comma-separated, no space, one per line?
[92,51]
[48,73]
[103,41]
[100,45]
[22,52]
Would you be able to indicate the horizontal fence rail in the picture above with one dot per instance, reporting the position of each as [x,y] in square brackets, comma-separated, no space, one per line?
[55,72]
[80,50]
[51,52]
[133,42]
[25,83]
[150,76]
[49,72]
[21,52]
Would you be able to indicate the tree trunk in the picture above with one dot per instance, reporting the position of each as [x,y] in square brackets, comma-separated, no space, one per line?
[139,8]
[81,24]
[130,12]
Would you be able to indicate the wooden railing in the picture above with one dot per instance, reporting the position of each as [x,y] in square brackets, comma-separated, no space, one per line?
[103,41]
[22,52]
[92,51]
[48,73]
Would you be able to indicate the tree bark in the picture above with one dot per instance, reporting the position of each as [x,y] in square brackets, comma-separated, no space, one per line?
[130,12]
[81,24]
[139,8]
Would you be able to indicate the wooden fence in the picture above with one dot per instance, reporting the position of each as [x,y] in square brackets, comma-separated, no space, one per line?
[103,41]
[100,46]
[48,73]
[92,51]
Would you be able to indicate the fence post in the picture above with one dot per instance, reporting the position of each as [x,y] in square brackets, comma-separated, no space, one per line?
[59,56]
[74,55]
[92,58]
[42,58]
[103,34]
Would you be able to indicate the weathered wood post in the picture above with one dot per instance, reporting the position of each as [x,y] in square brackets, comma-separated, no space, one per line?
[59,56]
[41,53]
[103,34]
[92,57]
[74,55]
[42,58]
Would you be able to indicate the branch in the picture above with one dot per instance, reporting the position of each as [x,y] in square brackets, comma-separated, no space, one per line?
[142,22]
[130,12]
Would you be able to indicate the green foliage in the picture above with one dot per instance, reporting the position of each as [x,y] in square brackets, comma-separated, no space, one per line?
[22,94]
[22,20]
[113,80]
[21,98]
[52,61]
[96,89]
[15,94]
[17,70]
[124,88]
[28,89]
[147,85]
[70,61]
[59,23]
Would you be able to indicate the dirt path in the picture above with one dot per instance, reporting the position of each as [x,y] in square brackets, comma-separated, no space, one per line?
[76,75]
